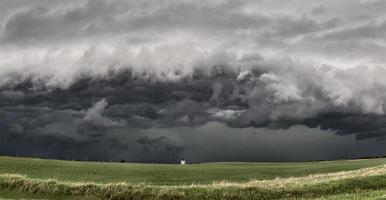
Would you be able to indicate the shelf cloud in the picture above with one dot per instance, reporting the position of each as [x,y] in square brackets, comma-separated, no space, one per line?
[129,79]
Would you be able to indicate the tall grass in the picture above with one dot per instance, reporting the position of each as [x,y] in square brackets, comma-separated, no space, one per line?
[302,187]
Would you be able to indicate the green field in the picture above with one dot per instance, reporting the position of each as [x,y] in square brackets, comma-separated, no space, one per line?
[48,179]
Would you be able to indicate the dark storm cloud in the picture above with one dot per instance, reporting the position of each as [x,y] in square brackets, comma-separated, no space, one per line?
[98,78]
[363,126]
[60,133]
[162,147]
[274,96]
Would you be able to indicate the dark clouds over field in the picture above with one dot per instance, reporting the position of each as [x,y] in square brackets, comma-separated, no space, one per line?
[153,81]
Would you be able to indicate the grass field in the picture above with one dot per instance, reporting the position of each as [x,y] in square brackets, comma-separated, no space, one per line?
[52,179]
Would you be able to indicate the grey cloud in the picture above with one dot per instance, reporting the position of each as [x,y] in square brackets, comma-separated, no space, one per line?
[238,24]
[40,23]
[318,10]
[94,116]
[371,31]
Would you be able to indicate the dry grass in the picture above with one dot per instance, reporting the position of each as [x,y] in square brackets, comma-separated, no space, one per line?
[305,180]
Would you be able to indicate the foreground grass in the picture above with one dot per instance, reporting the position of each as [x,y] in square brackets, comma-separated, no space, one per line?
[169,174]
[368,195]
[52,179]
[366,184]
[15,194]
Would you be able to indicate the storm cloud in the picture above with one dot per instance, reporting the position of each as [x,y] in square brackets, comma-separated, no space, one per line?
[99,78]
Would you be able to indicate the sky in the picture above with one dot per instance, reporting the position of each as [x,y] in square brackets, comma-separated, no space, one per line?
[221,80]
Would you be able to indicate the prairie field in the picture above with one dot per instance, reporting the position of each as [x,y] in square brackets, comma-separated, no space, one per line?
[29,178]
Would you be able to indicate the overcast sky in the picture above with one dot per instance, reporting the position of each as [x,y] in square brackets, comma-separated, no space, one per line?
[221,80]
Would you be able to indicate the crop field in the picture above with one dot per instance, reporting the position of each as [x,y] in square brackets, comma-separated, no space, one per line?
[28,178]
